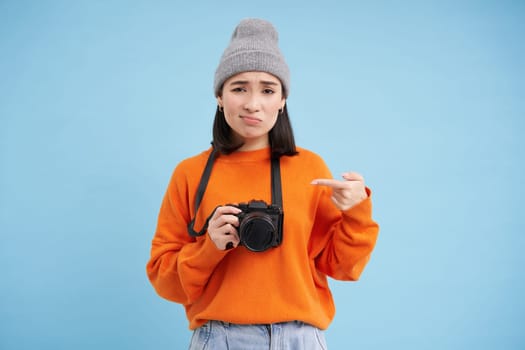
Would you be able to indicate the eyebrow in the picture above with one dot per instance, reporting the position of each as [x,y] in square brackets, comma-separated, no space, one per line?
[262,82]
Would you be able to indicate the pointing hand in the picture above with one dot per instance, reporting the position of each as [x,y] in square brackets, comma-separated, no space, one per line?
[346,193]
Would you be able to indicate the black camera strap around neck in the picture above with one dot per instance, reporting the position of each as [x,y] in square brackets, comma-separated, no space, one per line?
[277,197]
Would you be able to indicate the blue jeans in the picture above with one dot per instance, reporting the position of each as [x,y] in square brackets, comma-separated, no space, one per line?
[217,335]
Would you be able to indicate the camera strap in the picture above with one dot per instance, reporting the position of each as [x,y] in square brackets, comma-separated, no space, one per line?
[275,183]
[277,196]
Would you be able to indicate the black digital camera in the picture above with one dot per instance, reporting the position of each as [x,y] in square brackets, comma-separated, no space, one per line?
[260,225]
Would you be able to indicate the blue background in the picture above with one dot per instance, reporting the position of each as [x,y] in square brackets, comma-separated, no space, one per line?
[99,100]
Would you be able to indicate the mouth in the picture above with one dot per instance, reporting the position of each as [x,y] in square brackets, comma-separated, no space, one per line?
[251,120]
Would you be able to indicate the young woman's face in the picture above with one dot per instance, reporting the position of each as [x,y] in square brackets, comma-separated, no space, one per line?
[251,103]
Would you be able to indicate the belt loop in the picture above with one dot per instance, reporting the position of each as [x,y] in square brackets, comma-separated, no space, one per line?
[225,324]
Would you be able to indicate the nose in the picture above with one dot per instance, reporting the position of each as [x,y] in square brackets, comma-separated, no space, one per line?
[252,103]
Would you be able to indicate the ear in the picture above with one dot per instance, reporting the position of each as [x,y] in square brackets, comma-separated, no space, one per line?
[283,103]
[219,101]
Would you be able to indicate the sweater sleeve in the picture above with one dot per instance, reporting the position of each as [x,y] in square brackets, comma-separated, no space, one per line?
[342,241]
[180,265]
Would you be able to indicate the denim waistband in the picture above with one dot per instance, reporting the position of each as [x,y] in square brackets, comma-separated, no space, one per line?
[219,335]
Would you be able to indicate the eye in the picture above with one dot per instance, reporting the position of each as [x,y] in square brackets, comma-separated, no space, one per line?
[238,89]
[268,91]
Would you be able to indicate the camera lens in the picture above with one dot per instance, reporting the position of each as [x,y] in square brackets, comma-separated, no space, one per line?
[257,231]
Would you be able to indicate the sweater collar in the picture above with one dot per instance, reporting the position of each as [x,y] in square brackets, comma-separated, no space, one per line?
[246,156]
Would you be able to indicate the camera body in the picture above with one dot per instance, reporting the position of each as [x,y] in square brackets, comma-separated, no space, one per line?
[260,225]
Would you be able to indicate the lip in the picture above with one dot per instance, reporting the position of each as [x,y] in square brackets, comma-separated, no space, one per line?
[250,120]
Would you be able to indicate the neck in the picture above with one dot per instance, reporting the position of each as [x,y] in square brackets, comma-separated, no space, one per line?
[254,144]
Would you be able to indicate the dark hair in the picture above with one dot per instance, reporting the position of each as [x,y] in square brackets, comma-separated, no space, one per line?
[282,141]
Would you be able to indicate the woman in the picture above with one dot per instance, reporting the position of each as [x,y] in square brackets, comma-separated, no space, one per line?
[247,246]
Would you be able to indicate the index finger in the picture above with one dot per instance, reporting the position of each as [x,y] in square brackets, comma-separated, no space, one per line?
[333,183]
[226,209]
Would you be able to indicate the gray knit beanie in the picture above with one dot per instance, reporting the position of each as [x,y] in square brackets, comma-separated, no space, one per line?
[253,47]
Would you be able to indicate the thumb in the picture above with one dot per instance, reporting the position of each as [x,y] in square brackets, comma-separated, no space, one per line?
[353,176]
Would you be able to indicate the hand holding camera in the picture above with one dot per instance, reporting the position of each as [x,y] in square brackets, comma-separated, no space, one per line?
[222,227]
[255,225]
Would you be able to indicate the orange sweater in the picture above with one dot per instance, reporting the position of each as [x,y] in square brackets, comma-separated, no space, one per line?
[281,284]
